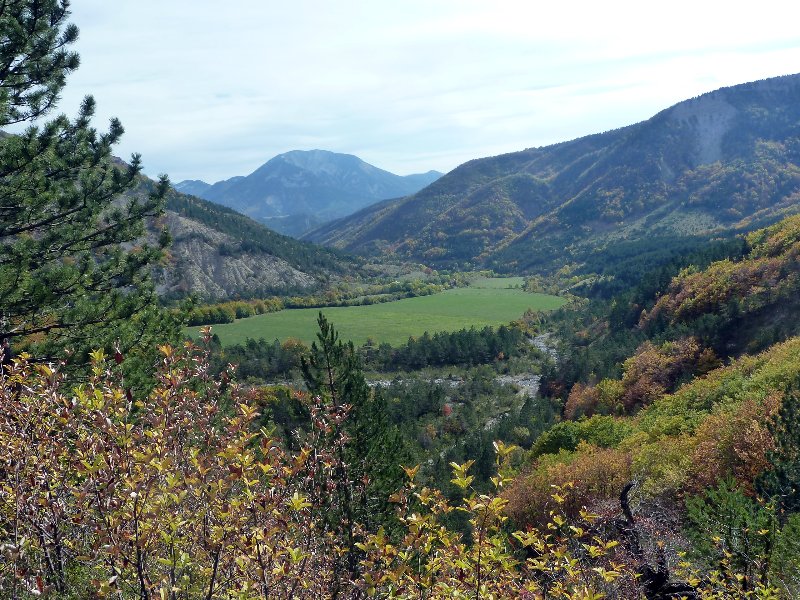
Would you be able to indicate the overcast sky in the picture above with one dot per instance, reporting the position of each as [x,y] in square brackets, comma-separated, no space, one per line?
[209,89]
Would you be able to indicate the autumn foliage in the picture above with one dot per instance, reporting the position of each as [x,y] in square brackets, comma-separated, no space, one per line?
[767,275]
[178,495]
[715,426]
[647,375]
[183,495]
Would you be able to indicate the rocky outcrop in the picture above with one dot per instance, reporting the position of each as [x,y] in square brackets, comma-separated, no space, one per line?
[211,264]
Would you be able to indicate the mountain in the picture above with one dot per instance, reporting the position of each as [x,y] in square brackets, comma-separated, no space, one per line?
[194,187]
[417,181]
[301,189]
[724,161]
[217,253]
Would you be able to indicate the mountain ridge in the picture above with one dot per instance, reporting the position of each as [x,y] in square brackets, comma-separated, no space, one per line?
[313,186]
[711,163]
[193,187]
[218,254]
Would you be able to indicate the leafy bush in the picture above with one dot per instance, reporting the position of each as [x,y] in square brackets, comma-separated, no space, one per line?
[599,431]
[182,494]
[175,495]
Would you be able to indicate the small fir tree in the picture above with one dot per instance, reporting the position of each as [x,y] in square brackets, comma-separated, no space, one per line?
[371,456]
[781,483]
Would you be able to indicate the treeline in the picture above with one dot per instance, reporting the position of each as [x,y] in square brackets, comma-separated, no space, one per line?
[259,359]
[374,294]
[266,360]
[468,347]
[228,312]
[650,263]
[634,266]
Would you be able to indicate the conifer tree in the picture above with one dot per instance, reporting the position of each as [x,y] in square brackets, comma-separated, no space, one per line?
[74,267]
[375,449]
[373,452]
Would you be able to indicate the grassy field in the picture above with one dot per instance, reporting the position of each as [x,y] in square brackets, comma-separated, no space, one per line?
[486,302]
[498,283]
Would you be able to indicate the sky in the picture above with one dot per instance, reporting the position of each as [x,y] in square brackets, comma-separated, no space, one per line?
[209,90]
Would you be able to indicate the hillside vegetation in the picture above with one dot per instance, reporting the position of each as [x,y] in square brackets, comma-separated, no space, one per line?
[726,160]
[702,414]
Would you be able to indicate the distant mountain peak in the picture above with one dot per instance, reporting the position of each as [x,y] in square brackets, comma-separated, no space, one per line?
[319,162]
[313,185]
[193,187]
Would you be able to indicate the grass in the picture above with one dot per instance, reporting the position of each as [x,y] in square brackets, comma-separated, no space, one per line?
[486,302]
[498,283]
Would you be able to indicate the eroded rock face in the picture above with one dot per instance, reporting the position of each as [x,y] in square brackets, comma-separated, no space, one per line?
[211,264]
[711,117]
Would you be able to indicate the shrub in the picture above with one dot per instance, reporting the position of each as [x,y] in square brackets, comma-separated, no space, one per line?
[181,494]
[593,473]
[173,495]
[734,443]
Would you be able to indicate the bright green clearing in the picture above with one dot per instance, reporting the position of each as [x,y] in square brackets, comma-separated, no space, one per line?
[487,302]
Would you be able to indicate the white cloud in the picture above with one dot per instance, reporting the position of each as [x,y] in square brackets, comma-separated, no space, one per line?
[210,90]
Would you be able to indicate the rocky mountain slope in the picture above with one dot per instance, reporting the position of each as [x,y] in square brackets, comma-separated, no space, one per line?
[216,253]
[727,160]
[301,189]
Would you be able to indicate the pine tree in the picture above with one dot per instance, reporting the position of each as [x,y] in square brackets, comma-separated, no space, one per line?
[375,448]
[74,267]
[371,457]
[730,530]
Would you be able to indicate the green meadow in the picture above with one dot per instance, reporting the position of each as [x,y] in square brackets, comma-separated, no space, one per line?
[486,302]
[498,283]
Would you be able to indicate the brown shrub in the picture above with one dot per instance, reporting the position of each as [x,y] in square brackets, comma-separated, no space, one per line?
[734,443]
[596,474]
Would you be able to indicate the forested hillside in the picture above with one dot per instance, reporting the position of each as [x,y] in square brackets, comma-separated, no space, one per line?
[687,387]
[727,160]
